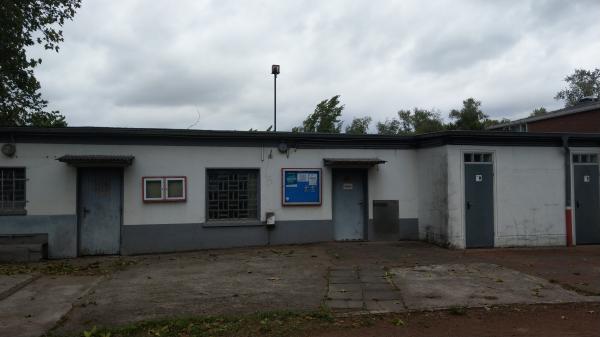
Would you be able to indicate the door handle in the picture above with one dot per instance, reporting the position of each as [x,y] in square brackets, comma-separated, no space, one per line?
[85,211]
[576,203]
[468,205]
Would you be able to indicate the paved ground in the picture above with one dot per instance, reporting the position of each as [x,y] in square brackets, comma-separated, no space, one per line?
[39,305]
[11,283]
[378,277]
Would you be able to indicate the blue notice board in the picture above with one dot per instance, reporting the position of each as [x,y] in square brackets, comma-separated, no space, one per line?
[301,186]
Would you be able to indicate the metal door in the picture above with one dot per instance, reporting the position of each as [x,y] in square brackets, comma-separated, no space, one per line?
[479,205]
[99,211]
[587,204]
[348,204]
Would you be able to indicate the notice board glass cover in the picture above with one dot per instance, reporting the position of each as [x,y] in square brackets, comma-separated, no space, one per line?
[301,186]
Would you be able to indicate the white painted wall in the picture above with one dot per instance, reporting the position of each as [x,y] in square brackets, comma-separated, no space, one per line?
[433,193]
[51,188]
[429,184]
[529,195]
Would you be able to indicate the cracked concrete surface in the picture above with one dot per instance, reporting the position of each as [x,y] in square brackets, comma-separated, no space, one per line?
[37,307]
[349,277]
[476,285]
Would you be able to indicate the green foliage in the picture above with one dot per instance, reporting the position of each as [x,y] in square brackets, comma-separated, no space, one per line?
[538,112]
[470,117]
[24,24]
[389,127]
[325,118]
[412,122]
[580,84]
[359,126]
[420,121]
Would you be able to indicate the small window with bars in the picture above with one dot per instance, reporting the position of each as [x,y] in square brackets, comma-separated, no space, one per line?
[12,190]
[585,158]
[478,157]
[233,194]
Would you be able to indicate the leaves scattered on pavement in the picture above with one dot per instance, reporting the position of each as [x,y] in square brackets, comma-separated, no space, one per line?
[67,267]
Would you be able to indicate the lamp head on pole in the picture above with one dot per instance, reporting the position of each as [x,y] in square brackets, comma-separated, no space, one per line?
[275,69]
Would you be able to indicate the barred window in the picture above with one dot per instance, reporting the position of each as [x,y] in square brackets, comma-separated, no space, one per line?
[232,194]
[12,190]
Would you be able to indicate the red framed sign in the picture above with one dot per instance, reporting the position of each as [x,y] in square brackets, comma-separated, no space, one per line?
[164,189]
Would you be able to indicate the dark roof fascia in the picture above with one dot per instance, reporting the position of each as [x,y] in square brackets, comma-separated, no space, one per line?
[175,137]
[552,114]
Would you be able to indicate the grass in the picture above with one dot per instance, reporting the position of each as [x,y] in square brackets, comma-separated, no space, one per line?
[275,323]
[457,311]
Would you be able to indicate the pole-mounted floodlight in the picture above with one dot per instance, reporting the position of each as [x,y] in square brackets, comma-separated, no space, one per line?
[275,72]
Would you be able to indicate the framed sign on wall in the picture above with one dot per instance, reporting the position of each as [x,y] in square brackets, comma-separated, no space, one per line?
[301,187]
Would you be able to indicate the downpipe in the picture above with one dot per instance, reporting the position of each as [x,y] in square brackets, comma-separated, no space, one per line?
[568,208]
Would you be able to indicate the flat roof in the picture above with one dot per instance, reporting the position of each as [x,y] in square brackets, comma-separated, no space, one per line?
[185,137]
[585,107]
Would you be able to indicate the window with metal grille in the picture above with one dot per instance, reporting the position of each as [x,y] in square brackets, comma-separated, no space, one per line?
[12,190]
[478,157]
[232,194]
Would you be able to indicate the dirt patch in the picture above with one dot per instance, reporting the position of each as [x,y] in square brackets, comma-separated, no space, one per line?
[558,320]
[533,320]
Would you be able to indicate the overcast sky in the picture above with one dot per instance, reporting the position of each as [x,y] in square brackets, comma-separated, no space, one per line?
[139,63]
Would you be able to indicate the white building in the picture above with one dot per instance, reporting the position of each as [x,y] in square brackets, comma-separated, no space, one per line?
[130,191]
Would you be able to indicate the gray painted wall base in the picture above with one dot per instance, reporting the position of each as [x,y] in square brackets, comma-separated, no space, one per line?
[163,238]
[408,229]
[61,230]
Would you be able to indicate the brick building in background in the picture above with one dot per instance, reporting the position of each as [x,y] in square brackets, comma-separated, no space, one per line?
[584,118]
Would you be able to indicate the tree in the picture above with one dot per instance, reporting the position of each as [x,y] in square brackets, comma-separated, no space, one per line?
[24,24]
[538,112]
[420,121]
[581,83]
[325,118]
[412,122]
[359,126]
[389,127]
[470,117]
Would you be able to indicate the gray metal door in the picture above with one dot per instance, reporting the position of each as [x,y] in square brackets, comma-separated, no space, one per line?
[479,205]
[99,211]
[587,204]
[348,204]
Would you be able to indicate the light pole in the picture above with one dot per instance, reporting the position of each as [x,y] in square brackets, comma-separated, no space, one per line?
[275,72]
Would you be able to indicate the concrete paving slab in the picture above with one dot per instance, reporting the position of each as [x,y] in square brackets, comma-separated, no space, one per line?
[385,306]
[34,309]
[11,283]
[381,295]
[229,281]
[476,284]
[345,288]
[343,280]
[345,304]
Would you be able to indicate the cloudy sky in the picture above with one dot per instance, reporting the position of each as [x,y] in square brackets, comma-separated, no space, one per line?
[139,63]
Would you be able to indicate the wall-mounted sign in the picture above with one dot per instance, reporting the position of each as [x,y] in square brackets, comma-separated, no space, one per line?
[301,186]
[347,186]
[479,178]
[586,179]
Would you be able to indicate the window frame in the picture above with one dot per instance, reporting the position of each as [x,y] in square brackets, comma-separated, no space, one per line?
[164,198]
[481,155]
[15,211]
[184,188]
[233,222]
